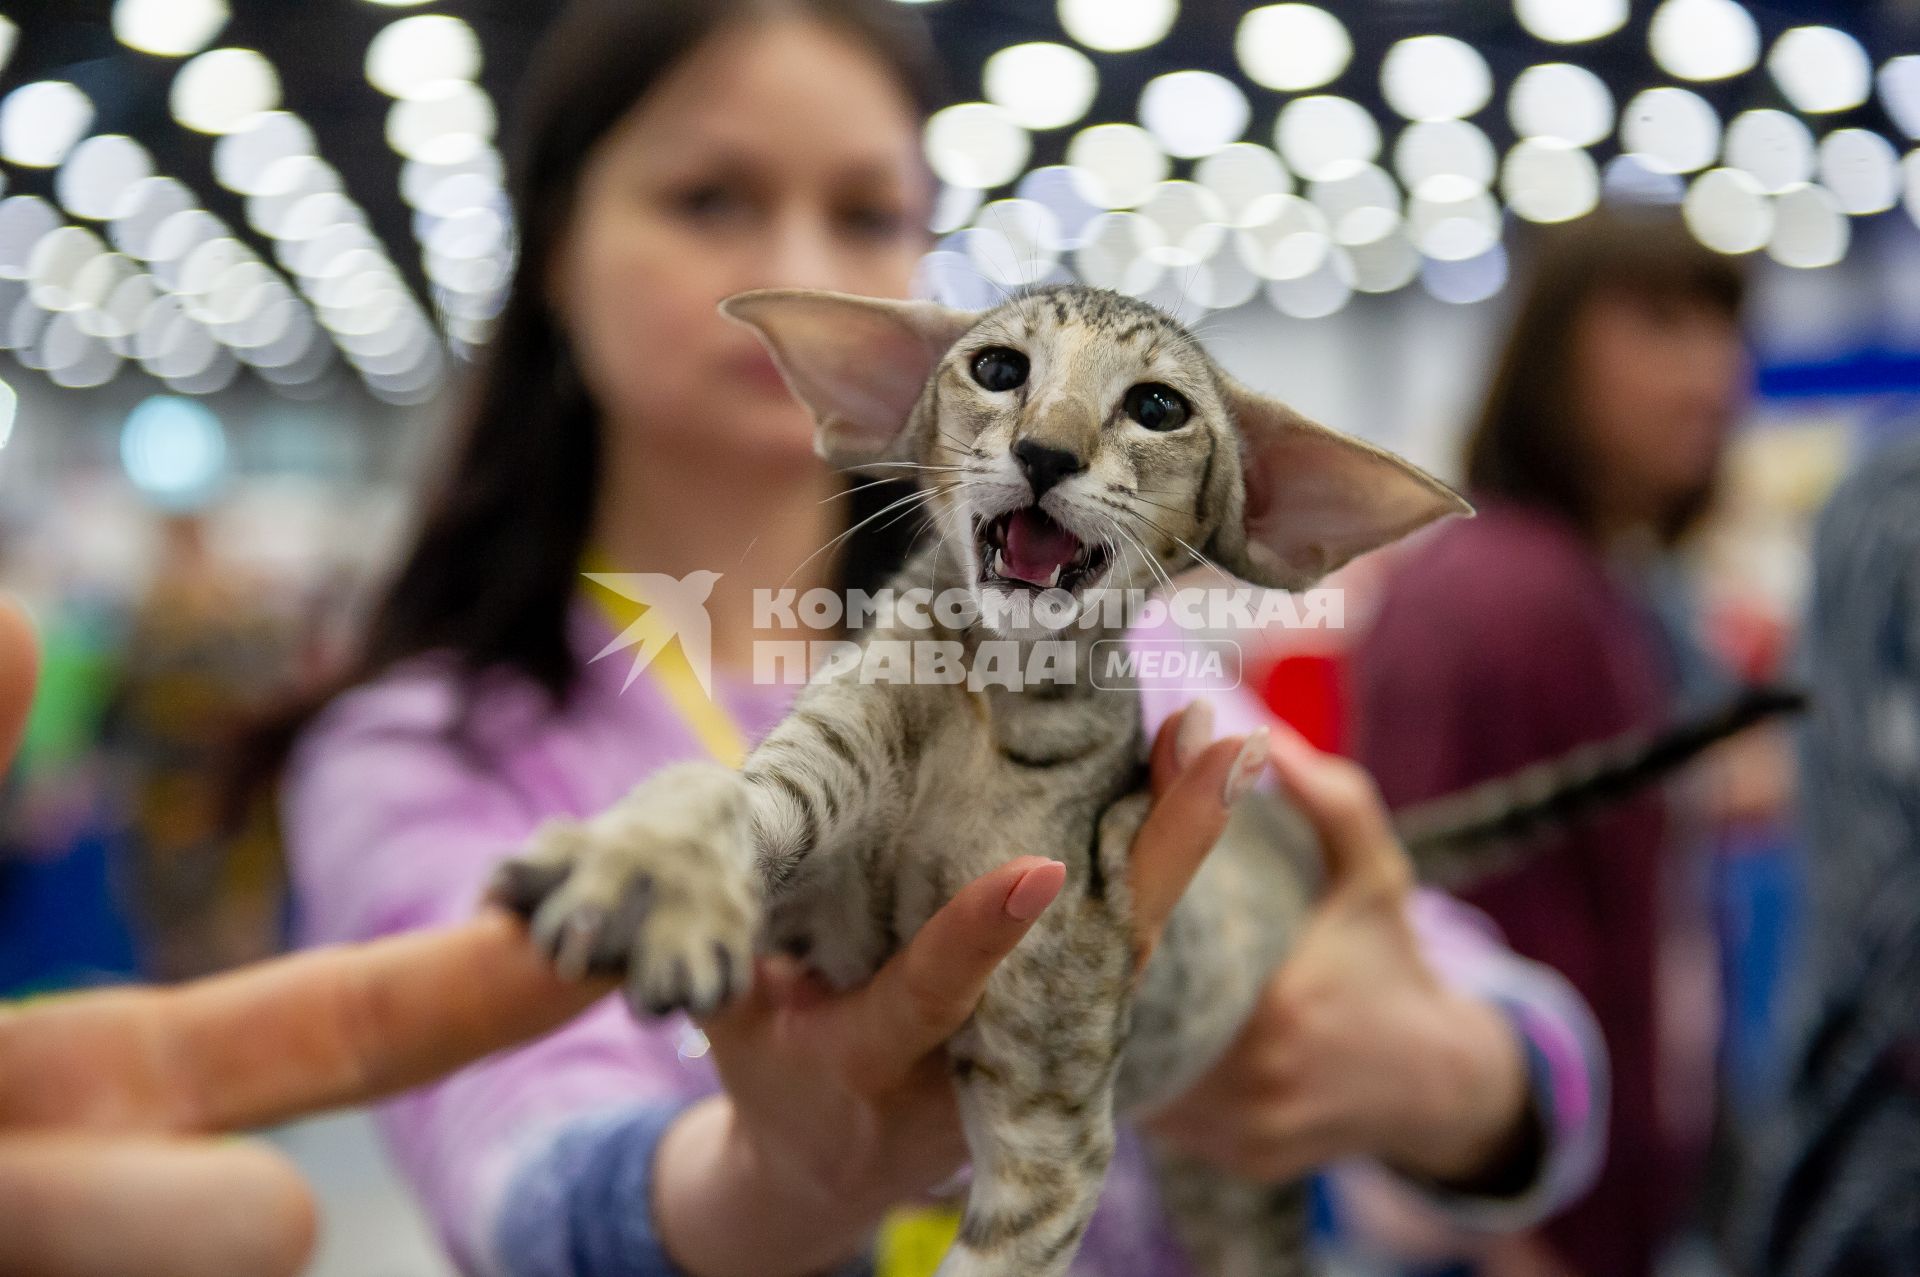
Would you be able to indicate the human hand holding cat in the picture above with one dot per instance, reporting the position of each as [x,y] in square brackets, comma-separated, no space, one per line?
[1355,1048]
[839,1107]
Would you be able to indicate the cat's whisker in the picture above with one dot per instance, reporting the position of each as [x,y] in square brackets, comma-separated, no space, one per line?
[1175,537]
[1158,505]
[916,496]
[1106,539]
[907,465]
[1184,544]
[861,487]
[961,444]
[1209,564]
[1152,561]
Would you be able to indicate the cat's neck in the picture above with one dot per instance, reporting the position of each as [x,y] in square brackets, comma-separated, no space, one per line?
[938,570]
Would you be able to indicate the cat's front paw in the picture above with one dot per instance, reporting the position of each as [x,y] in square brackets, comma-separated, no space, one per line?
[655,890]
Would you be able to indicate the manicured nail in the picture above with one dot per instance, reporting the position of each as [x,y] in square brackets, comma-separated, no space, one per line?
[1194,734]
[1247,766]
[1034,892]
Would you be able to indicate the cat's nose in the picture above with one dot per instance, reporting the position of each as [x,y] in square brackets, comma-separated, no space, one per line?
[1045,466]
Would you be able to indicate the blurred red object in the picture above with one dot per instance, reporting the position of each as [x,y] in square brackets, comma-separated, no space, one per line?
[1308,691]
[1750,637]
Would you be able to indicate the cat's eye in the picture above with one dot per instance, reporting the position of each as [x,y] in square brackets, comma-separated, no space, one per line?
[1158,407]
[998,368]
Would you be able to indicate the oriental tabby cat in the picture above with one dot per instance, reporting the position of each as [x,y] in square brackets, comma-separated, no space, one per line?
[1073,445]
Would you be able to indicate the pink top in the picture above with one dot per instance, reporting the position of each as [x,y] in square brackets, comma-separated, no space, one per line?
[391,827]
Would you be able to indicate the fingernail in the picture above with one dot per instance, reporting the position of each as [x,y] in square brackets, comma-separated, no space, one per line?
[1194,734]
[1286,738]
[1247,766]
[1034,892]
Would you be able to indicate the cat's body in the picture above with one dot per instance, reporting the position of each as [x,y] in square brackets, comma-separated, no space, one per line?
[873,802]
[1074,441]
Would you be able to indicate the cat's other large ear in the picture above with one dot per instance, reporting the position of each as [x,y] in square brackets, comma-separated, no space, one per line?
[1316,498]
[859,363]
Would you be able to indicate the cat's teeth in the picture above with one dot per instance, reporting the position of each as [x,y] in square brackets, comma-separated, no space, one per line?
[1053,578]
[1000,564]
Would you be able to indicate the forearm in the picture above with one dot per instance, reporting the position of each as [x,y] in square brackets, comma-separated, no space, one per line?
[704,1172]
[662,1189]
[1556,1146]
[89,1205]
[1470,1121]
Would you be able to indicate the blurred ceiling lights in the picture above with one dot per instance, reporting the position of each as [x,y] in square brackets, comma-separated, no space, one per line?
[1561,101]
[1118,26]
[1315,217]
[414,54]
[1821,70]
[1041,86]
[1545,180]
[178,291]
[1118,164]
[977,144]
[1900,92]
[1671,130]
[1862,170]
[98,172]
[1704,39]
[1319,135]
[222,90]
[41,122]
[442,123]
[168,28]
[1271,169]
[1435,77]
[1571,21]
[1772,146]
[1194,113]
[174,449]
[1444,159]
[1292,47]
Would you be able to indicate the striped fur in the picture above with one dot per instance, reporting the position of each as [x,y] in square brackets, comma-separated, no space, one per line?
[872,803]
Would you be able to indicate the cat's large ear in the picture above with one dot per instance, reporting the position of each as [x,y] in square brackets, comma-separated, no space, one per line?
[1315,498]
[859,363]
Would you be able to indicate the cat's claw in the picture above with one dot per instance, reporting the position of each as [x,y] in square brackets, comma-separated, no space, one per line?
[651,890]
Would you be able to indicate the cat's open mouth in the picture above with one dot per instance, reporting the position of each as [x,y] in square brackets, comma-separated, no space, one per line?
[1026,547]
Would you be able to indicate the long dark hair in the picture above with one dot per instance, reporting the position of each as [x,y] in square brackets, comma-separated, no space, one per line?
[1526,445]
[492,569]
[494,565]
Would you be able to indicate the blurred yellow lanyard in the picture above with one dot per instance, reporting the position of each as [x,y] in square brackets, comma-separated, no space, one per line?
[704,716]
[912,1240]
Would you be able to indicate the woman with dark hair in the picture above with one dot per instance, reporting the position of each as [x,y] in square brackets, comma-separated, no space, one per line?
[1536,627]
[672,153]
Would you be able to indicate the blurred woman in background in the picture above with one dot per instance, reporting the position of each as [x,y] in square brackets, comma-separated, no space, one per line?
[1544,623]
[673,153]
